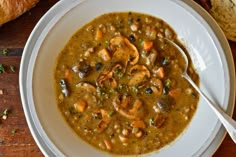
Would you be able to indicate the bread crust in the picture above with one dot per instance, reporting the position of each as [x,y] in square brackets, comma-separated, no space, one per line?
[224,12]
[11,9]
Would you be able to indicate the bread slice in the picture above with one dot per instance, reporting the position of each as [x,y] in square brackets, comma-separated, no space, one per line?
[224,12]
[11,9]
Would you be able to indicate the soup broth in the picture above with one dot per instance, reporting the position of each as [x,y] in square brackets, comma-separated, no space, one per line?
[119,86]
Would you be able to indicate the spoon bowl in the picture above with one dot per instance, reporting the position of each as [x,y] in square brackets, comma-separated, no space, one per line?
[226,120]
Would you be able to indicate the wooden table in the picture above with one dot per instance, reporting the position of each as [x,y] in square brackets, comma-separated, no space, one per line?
[15,137]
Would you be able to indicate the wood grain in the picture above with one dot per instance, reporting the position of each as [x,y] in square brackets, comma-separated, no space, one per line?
[15,33]
[20,143]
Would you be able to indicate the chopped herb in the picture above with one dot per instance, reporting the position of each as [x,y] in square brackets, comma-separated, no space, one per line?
[168,83]
[111,113]
[5,52]
[135,89]
[107,42]
[13,131]
[140,31]
[78,85]
[166,60]
[121,86]
[140,41]
[162,46]
[72,110]
[166,86]
[112,90]
[106,96]
[151,121]
[96,115]
[5,112]
[127,123]
[118,73]
[2,68]
[12,68]
[99,91]
[100,103]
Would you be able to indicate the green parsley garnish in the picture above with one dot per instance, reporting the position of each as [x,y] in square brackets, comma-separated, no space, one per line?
[5,52]
[112,90]
[111,113]
[168,83]
[135,89]
[166,60]
[2,68]
[5,112]
[13,131]
[12,68]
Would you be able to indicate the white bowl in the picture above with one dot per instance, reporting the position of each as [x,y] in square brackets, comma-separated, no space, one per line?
[205,41]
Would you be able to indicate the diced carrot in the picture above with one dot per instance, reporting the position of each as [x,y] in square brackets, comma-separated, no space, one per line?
[147,45]
[104,54]
[105,116]
[80,106]
[67,73]
[108,144]
[98,34]
[113,83]
[175,92]
[160,72]
[125,101]
[138,124]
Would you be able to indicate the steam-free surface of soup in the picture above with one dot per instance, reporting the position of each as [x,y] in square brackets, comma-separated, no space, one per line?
[119,86]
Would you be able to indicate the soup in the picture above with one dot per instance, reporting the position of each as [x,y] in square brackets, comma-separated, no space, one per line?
[119,86]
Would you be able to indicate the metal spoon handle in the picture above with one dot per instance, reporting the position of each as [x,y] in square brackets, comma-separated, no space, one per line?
[226,120]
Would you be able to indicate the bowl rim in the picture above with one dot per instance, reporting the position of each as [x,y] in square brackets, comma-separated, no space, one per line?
[54,14]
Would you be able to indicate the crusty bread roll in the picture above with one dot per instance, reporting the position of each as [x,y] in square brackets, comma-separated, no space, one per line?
[11,9]
[224,12]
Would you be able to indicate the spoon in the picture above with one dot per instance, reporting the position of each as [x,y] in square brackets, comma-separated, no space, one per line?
[226,120]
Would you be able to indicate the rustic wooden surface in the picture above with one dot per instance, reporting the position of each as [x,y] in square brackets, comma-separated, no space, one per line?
[15,137]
